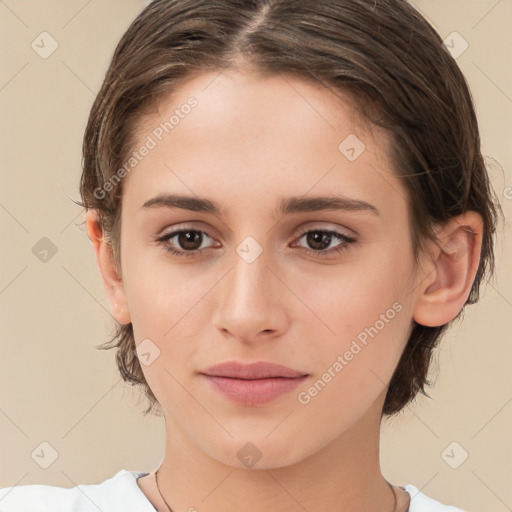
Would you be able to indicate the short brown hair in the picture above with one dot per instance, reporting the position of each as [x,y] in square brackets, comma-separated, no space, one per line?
[381,53]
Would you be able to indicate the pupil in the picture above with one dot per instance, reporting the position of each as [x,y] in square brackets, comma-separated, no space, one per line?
[189,242]
[315,238]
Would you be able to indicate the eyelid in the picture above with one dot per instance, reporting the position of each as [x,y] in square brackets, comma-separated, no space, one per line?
[316,227]
[199,226]
[312,226]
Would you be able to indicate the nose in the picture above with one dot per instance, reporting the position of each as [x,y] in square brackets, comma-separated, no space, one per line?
[252,300]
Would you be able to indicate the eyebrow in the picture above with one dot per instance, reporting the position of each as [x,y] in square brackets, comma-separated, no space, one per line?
[286,206]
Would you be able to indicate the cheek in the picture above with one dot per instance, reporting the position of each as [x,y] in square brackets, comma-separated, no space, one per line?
[166,316]
[159,291]
[370,320]
[362,310]
[168,313]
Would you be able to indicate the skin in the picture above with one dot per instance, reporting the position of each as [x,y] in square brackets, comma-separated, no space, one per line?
[251,140]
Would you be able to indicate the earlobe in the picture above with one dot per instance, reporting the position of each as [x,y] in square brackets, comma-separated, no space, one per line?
[112,283]
[446,283]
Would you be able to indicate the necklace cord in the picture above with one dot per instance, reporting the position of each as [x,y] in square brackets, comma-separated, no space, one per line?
[160,492]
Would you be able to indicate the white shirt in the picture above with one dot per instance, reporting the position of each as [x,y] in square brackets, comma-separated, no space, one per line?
[121,493]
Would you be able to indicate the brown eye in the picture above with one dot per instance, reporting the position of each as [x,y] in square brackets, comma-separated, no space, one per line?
[319,240]
[188,242]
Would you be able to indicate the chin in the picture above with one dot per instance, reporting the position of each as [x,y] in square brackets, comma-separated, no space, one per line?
[259,451]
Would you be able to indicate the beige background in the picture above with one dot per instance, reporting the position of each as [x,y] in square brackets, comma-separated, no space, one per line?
[57,388]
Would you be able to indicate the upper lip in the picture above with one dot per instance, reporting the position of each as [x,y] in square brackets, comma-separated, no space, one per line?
[259,370]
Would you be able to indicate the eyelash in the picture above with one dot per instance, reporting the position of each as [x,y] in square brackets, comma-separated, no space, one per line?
[347,240]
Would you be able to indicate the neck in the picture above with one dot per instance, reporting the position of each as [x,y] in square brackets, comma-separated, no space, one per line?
[343,475]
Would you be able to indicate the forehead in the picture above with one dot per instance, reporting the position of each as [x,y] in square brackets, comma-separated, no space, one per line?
[228,134]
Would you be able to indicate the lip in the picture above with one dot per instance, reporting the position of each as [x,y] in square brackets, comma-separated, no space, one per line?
[253,384]
[258,370]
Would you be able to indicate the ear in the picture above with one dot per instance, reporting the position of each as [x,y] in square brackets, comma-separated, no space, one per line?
[450,271]
[111,281]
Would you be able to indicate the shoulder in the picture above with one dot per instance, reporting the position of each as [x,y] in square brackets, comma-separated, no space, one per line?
[422,503]
[116,494]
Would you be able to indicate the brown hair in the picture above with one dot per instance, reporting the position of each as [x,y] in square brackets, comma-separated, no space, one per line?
[381,53]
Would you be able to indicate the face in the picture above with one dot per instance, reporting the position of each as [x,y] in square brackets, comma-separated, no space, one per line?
[325,291]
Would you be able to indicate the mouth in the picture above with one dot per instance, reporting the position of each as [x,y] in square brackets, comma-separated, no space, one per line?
[253,384]
[258,370]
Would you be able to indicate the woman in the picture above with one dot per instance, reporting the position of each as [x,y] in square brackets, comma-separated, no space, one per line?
[288,206]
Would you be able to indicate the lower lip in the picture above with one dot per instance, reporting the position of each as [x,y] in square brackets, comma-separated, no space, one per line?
[256,391]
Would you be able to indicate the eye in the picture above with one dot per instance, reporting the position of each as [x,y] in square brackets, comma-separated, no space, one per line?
[320,239]
[190,241]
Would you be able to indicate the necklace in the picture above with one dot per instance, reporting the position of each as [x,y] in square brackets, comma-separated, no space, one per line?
[160,492]
[170,509]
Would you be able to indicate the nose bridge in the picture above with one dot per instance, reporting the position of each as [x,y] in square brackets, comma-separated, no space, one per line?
[250,292]
[250,276]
